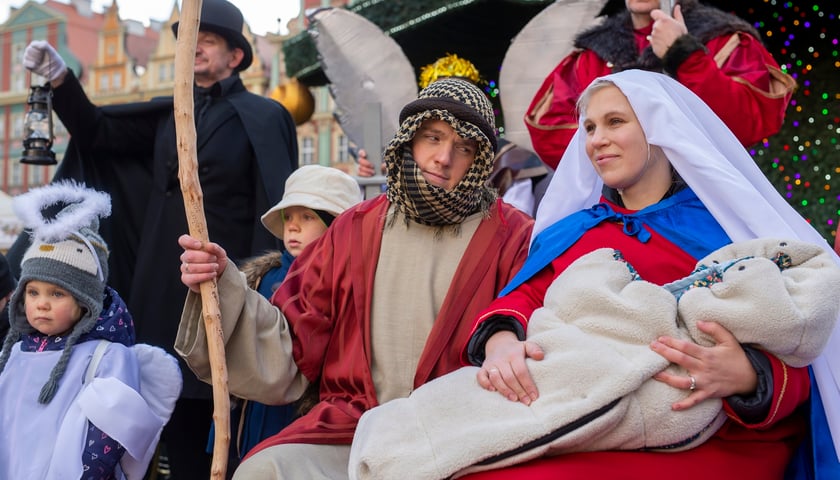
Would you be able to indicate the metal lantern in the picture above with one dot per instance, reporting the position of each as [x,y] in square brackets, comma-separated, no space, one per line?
[38,127]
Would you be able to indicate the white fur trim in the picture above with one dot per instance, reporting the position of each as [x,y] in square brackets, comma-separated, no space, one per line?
[91,205]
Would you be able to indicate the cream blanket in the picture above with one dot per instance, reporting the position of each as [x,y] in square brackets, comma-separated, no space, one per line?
[596,390]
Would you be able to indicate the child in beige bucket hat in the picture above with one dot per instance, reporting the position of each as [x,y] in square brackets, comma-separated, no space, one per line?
[325,191]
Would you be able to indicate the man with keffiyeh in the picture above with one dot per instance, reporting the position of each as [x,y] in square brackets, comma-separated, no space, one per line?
[382,302]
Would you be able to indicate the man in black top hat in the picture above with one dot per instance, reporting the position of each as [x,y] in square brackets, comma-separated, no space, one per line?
[223,19]
[246,145]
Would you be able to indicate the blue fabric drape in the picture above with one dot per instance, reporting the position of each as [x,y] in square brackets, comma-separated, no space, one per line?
[681,219]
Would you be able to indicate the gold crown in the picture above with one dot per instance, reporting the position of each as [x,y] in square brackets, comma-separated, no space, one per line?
[449,66]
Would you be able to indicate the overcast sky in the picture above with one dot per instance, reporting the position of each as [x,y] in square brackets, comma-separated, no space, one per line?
[261,15]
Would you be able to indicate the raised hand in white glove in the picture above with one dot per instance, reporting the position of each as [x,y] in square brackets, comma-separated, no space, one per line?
[41,58]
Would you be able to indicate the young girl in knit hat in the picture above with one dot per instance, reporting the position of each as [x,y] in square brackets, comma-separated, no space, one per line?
[313,197]
[70,379]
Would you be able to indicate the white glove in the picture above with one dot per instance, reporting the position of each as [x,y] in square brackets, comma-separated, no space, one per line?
[41,58]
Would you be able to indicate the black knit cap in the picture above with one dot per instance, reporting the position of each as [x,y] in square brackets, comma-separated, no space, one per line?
[460,98]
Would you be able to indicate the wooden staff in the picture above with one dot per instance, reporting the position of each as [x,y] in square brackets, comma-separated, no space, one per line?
[194,207]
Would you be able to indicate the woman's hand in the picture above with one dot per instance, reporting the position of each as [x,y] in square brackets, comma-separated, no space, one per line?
[200,262]
[504,369]
[713,372]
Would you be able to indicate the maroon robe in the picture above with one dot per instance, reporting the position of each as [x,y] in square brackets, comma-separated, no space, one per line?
[326,299]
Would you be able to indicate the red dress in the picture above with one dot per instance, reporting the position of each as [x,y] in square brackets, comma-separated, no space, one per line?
[737,90]
[326,299]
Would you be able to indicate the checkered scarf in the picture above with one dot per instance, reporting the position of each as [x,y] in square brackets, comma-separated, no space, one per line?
[421,202]
[466,109]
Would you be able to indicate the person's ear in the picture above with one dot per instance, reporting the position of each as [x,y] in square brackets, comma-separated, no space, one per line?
[236,59]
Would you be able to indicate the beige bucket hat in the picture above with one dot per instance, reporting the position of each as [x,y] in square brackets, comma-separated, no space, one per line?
[316,187]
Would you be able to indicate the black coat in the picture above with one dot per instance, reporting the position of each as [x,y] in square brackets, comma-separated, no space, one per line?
[247,147]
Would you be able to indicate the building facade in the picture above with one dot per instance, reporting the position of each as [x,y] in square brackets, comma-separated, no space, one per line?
[121,61]
[320,139]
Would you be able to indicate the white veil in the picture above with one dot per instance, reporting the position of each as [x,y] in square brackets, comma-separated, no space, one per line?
[718,169]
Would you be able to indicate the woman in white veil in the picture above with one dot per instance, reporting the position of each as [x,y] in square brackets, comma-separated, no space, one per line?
[706,156]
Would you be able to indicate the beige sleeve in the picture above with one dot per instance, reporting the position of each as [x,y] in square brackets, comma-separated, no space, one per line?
[258,343]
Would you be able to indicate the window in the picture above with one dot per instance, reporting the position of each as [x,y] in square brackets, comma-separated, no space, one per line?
[17,49]
[35,174]
[343,155]
[307,151]
[18,74]
[166,72]
[17,125]
[15,181]
[17,83]
[104,82]
[117,81]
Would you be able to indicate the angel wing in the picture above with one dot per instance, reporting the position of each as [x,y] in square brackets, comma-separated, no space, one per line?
[533,53]
[365,68]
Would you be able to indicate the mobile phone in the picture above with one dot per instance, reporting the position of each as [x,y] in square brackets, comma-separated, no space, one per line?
[667,6]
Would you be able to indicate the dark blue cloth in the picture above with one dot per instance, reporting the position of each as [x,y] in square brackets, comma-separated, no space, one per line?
[263,421]
[274,277]
[816,458]
[681,218]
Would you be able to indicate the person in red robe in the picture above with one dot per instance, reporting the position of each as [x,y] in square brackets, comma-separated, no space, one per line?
[378,305]
[718,56]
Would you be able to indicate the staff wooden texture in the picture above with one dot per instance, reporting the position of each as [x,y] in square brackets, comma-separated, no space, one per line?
[194,207]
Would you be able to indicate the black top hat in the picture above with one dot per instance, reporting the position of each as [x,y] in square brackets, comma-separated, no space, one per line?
[223,18]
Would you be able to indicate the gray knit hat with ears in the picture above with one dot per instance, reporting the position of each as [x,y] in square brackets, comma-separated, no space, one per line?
[66,251]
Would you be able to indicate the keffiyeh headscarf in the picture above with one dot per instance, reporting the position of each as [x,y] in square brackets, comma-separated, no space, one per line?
[715,165]
[468,111]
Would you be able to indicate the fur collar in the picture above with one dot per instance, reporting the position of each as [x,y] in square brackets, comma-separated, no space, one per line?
[612,40]
[256,267]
